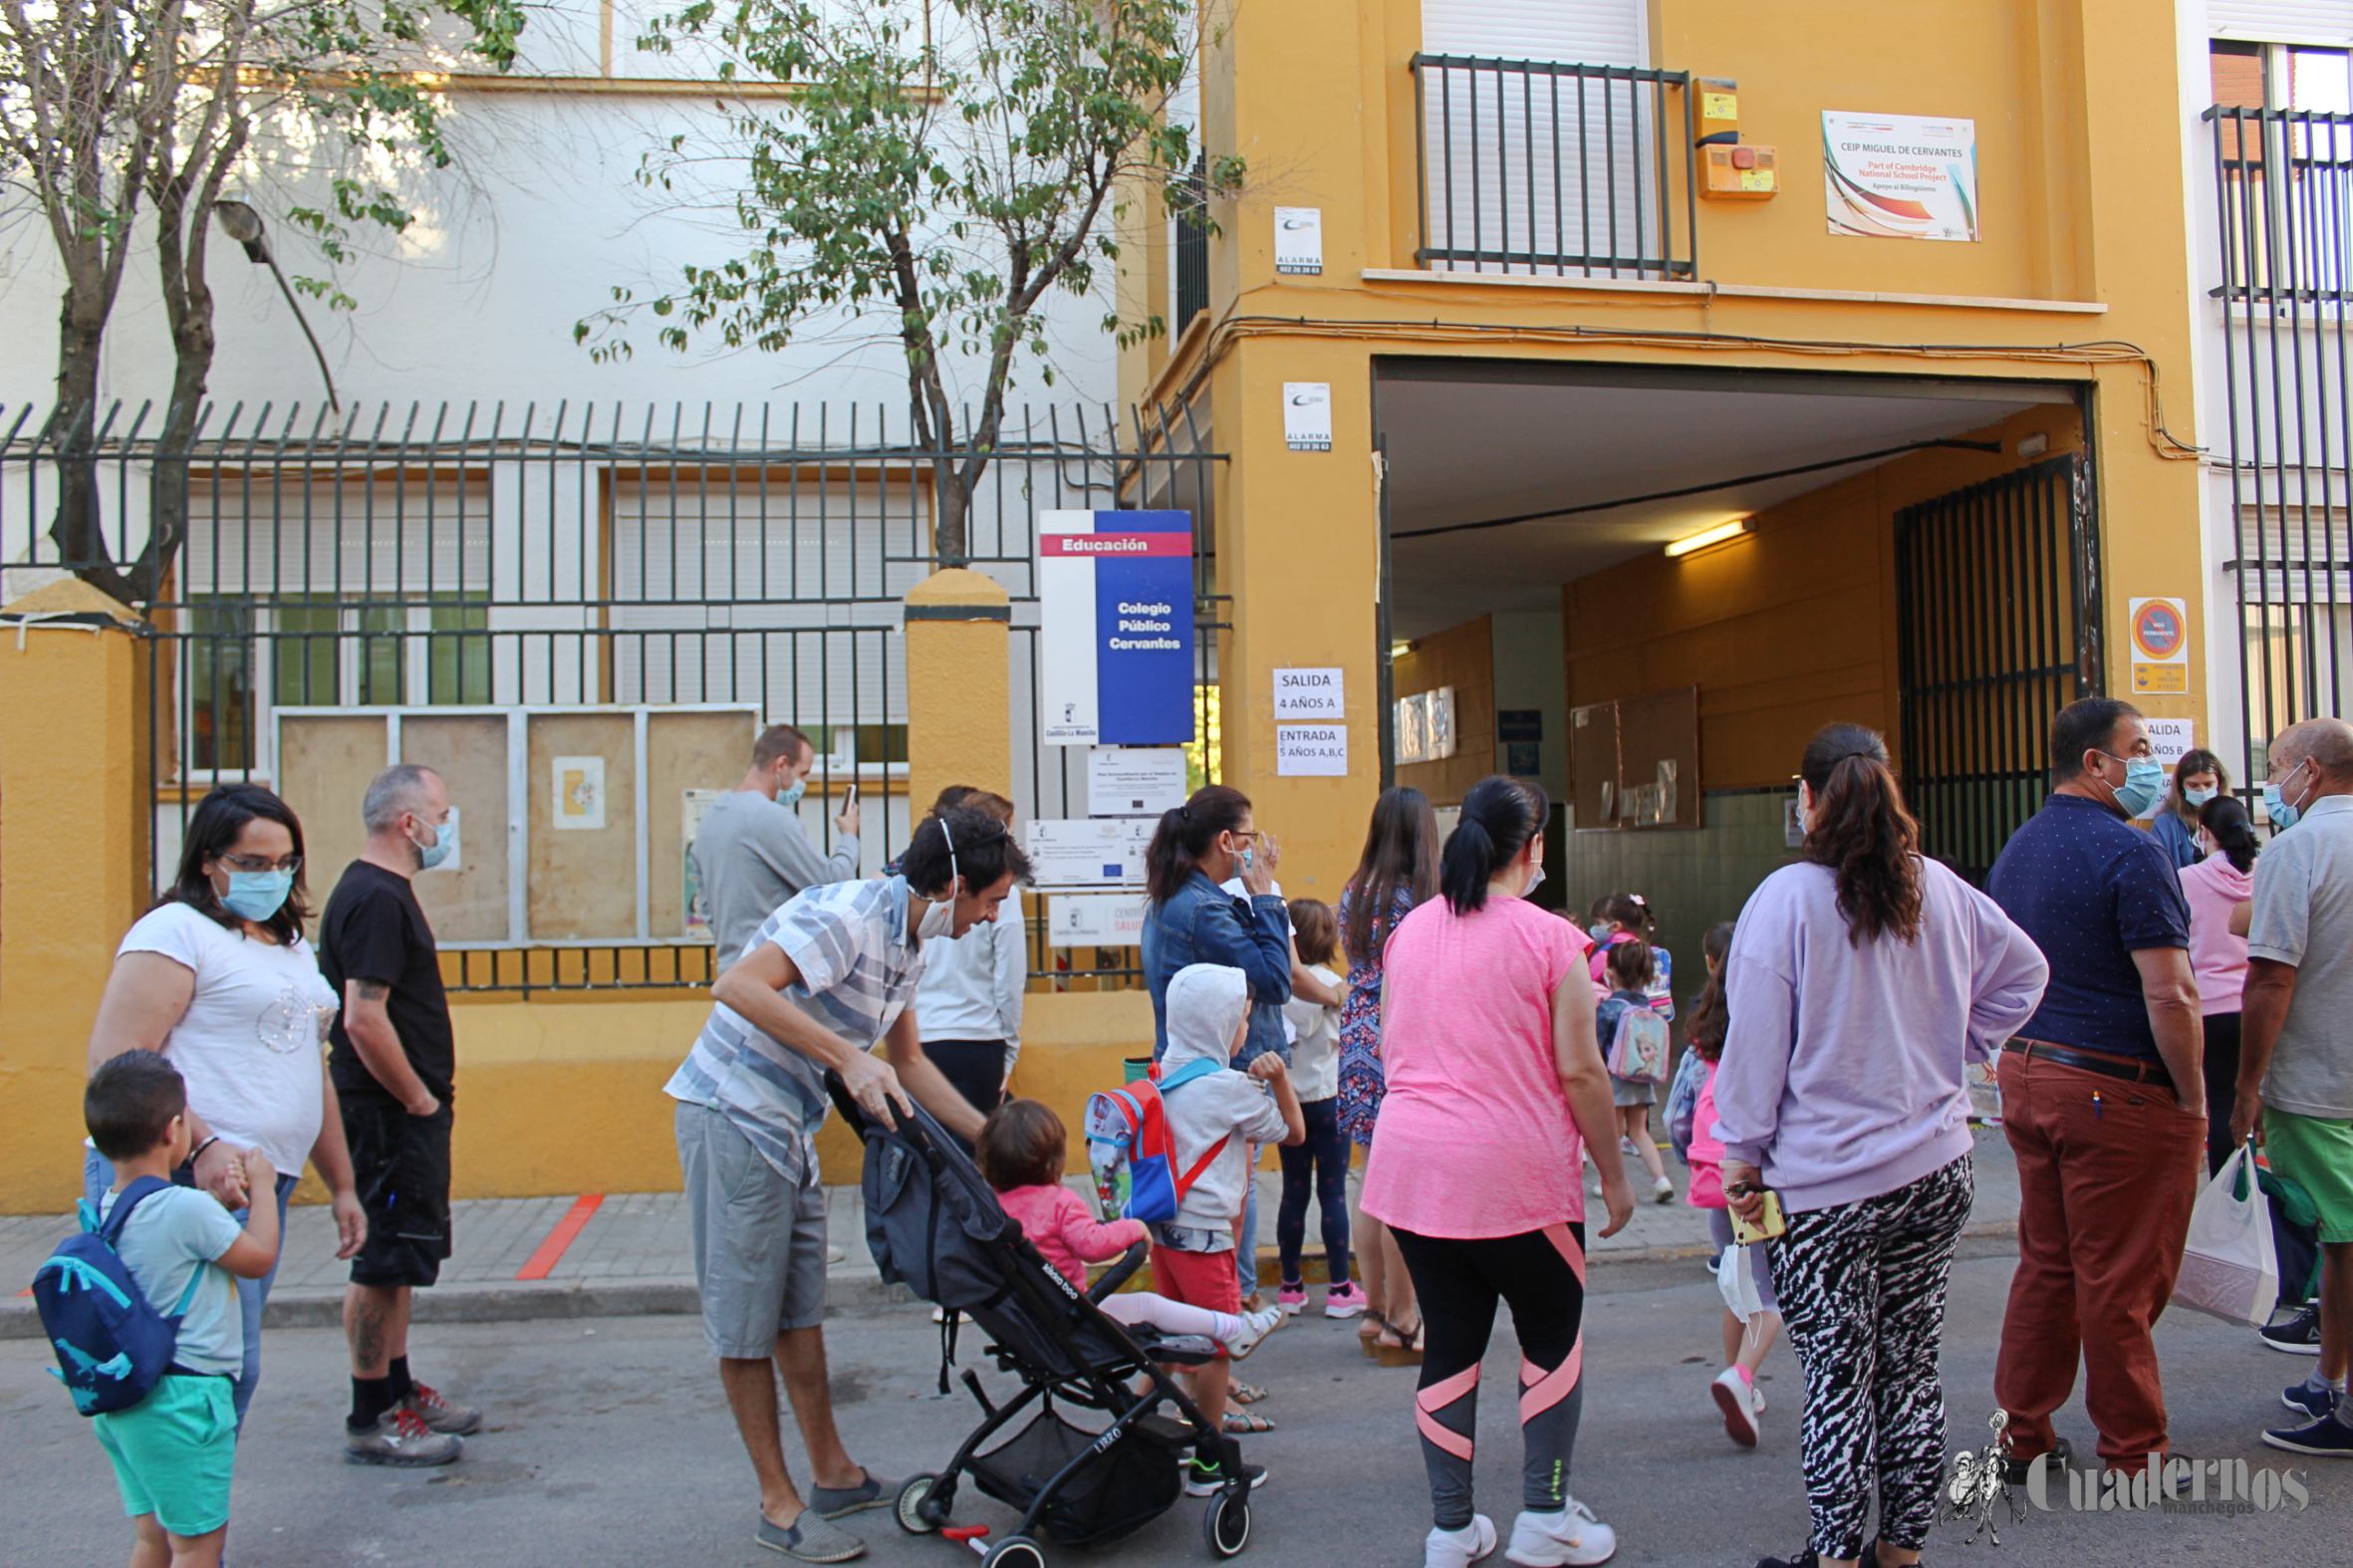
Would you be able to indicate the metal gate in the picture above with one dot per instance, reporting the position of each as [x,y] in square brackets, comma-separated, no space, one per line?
[1996,631]
[472,561]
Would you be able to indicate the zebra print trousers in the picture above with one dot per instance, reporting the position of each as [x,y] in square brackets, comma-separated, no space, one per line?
[1862,1289]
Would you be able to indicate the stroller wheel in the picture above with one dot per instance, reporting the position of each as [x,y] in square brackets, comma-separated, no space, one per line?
[918,1513]
[1015,1551]
[1228,1523]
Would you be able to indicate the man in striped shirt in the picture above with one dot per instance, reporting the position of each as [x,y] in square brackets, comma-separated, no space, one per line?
[826,976]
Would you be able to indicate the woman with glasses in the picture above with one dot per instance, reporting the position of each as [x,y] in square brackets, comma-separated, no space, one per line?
[218,978]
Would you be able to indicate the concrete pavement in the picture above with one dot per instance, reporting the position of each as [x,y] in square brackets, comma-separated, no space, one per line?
[615,1254]
[609,1442]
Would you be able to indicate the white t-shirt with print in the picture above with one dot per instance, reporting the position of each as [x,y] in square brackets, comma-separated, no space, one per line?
[249,1045]
[170,1236]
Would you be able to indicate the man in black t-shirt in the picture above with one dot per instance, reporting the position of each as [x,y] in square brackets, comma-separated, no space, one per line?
[394,1061]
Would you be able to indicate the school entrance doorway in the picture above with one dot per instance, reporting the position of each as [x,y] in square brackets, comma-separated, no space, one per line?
[1646,587]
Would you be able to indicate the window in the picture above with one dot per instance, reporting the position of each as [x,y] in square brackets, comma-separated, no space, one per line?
[219,673]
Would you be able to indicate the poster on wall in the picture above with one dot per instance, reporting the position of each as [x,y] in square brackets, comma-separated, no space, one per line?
[1315,751]
[693,804]
[2170,739]
[1900,176]
[580,792]
[1115,638]
[2160,646]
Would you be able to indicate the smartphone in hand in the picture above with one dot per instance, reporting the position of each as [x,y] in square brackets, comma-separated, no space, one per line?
[1773,1224]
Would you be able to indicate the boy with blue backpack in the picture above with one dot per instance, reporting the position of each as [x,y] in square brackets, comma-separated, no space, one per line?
[156,1382]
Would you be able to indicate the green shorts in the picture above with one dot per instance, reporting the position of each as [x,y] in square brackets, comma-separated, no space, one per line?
[2315,1153]
[174,1451]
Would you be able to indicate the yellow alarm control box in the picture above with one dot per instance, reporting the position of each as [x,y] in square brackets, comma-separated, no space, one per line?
[1740,174]
[1719,105]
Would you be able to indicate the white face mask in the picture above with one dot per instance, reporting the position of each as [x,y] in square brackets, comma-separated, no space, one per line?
[938,919]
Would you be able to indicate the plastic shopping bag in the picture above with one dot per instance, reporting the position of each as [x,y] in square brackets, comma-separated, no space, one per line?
[2228,1268]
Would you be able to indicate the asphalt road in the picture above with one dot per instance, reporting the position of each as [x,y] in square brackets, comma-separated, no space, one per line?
[608,1443]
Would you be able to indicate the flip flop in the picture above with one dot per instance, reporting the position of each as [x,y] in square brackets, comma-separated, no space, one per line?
[1243,1424]
[1396,1338]
[1245,1394]
[1373,1324]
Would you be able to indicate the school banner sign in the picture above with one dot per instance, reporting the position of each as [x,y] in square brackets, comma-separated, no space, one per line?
[1116,644]
[1900,176]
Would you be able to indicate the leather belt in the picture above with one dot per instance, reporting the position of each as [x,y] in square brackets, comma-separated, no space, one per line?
[2093,1062]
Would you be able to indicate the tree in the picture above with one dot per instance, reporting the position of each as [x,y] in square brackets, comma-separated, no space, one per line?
[940,183]
[124,120]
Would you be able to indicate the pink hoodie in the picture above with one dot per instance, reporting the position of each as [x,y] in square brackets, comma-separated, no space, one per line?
[1059,1226]
[2218,959]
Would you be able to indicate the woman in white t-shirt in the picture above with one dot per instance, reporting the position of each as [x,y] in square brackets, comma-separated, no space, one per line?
[218,978]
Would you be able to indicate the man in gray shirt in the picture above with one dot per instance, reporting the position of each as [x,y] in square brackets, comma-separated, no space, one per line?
[2296,1063]
[752,855]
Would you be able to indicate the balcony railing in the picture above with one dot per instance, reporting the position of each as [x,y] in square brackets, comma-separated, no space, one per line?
[2283,185]
[1536,168]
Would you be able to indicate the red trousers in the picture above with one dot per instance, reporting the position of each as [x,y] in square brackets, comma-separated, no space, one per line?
[2107,1171]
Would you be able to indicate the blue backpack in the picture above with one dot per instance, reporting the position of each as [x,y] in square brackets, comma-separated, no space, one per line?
[112,1343]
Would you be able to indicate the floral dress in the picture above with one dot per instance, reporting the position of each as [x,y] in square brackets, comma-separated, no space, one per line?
[1361,1081]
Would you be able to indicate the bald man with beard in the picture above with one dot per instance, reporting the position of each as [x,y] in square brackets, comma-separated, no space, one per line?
[2295,1066]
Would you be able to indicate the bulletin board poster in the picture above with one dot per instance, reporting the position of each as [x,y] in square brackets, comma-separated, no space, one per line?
[693,803]
[1900,176]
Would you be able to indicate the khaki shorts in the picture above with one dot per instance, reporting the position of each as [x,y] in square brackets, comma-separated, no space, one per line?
[759,1237]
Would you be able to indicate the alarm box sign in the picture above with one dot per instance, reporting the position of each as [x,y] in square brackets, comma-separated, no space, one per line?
[1116,640]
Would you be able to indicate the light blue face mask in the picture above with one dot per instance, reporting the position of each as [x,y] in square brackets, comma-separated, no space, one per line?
[2199,797]
[2144,781]
[791,794]
[443,846]
[2283,816]
[257,895]
[1599,931]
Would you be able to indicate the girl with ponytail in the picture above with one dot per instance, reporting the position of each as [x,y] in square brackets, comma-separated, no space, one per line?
[1862,981]
[2219,887]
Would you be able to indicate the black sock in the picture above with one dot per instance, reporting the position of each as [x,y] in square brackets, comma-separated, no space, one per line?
[370,1398]
[402,1384]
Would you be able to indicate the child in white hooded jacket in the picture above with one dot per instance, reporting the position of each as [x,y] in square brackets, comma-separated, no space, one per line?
[1208,1012]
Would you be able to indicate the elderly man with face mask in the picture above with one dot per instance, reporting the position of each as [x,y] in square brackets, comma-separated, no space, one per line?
[2295,1065]
[2102,1096]
[752,856]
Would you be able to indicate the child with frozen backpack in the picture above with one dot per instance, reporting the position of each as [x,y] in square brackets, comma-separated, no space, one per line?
[1629,973]
[1744,1345]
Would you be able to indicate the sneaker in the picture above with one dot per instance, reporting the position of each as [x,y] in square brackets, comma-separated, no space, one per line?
[462,1420]
[1626,1147]
[833,1503]
[1206,1477]
[809,1539]
[1459,1548]
[1255,1327]
[1736,1397]
[1663,1190]
[2299,1335]
[1345,1301]
[2055,1459]
[2330,1437]
[2309,1402]
[400,1438]
[1291,1296]
[1573,1536]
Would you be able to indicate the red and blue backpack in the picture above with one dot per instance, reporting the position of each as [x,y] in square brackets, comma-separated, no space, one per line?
[1132,1154]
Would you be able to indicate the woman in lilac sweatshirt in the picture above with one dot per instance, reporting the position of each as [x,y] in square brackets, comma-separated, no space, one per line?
[1862,981]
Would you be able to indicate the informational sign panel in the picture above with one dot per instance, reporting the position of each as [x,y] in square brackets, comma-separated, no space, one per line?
[1095,919]
[2160,646]
[1310,694]
[2170,739]
[1900,176]
[1307,417]
[1311,750]
[1299,240]
[1134,781]
[1096,852]
[1115,655]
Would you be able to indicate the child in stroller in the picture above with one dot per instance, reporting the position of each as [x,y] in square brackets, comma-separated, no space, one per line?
[935,1225]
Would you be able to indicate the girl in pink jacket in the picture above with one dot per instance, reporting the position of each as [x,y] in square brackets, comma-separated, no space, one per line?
[1022,1147]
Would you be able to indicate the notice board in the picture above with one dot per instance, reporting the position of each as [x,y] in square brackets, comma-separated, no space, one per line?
[1634,762]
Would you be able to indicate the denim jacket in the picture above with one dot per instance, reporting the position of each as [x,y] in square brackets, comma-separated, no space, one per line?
[1200,923]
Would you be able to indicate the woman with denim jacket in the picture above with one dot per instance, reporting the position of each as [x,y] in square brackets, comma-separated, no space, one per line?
[1188,919]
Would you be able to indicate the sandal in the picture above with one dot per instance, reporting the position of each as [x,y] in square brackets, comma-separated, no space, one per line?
[1244,1424]
[1245,1394]
[1373,1324]
[1396,1337]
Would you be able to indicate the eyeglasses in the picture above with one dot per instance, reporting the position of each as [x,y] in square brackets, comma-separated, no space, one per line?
[261,863]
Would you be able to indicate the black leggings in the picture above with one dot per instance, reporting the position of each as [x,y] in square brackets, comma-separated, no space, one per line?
[1326,1151]
[1541,1274]
[977,1069]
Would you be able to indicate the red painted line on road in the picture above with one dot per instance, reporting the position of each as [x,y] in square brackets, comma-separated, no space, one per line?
[568,1230]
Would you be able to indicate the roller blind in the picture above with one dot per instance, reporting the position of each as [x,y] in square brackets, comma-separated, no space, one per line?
[2279,21]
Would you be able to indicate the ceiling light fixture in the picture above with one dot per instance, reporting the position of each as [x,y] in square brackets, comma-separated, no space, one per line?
[1399,648]
[1721,533]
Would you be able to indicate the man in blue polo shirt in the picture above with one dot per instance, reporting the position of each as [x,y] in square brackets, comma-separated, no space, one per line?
[2101,1096]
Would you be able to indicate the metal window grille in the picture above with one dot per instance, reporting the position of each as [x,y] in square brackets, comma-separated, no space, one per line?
[1528,166]
[1996,629]
[1189,229]
[476,557]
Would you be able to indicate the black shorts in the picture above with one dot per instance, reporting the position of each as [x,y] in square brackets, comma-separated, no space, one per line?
[401,1164]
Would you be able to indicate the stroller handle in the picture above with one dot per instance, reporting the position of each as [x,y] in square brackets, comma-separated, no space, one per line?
[1119,1274]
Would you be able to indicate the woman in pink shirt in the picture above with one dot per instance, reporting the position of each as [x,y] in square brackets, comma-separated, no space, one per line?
[2219,888]
[1494,1077]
